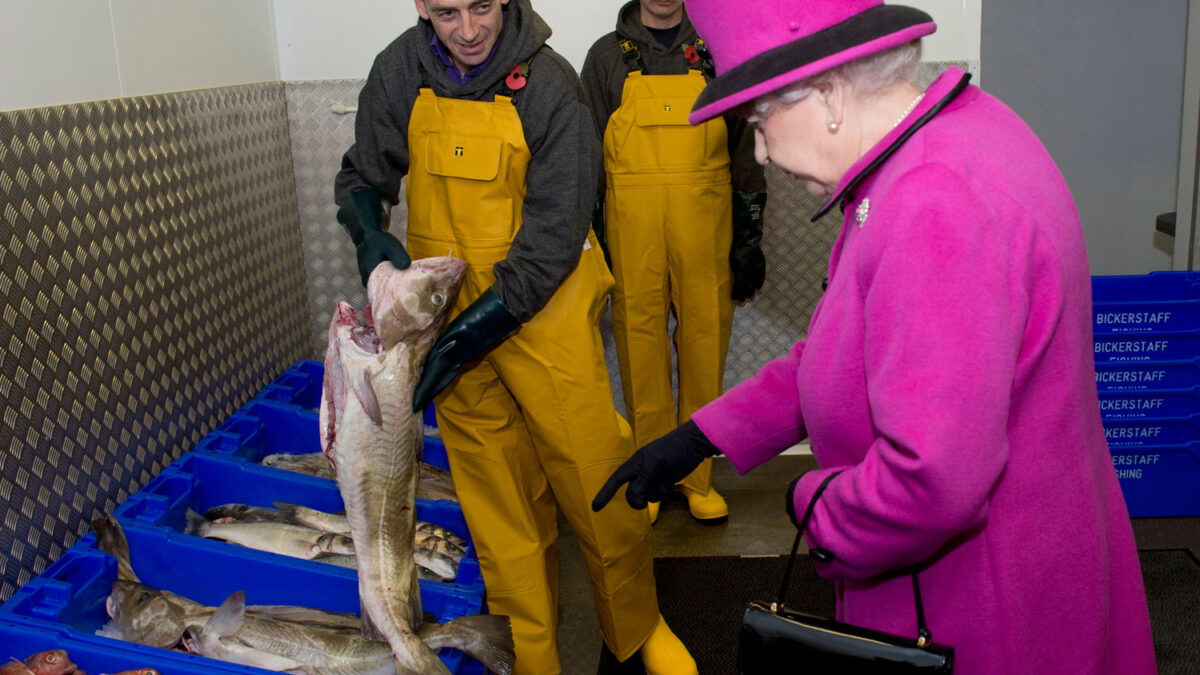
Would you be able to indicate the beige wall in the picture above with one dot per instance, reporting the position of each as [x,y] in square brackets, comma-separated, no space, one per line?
[320,40]
[65,51]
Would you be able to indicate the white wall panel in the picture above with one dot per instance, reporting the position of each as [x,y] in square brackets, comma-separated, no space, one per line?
[167,45]
[959,27]
[56,51]
[59,51]
[322,40]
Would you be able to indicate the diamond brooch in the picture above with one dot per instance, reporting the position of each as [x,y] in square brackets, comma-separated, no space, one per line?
[860,214]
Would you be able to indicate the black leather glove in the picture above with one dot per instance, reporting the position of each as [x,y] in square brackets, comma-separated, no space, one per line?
[601,229]
[746,259]
[362,214]
[480,326]
[653,470]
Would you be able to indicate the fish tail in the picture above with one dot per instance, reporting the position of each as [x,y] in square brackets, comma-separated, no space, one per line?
[196,523]
[111,539]
[491,641]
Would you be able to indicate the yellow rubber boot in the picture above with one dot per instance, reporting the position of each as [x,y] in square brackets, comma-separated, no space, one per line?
[664,654]
[652,509]
[707,507]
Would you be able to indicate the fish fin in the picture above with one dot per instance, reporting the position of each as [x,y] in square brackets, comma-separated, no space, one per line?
[288,510]
[369,630]
[196,523]
[229,617]
[111,539]
[365,393]
[414,600]
[490,641]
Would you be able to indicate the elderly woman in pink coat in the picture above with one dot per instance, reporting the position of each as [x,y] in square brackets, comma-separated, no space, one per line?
[948,372]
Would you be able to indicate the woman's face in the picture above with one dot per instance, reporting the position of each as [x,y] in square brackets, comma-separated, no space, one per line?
[796,138]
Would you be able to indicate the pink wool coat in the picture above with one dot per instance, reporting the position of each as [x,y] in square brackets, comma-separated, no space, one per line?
[949,372]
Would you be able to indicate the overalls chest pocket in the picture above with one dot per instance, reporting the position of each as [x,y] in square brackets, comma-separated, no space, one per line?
[453,155]
[470,196]
[666,141]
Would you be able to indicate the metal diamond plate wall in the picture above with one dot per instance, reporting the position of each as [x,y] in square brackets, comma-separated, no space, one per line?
[319,138]
[151,281]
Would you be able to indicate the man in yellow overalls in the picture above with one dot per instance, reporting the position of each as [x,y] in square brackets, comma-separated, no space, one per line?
[683,223]
[490,127]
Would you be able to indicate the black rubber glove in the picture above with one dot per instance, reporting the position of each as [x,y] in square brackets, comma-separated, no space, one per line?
[653,470]
[480,326]
[362,214]
[601,230]
[746,259]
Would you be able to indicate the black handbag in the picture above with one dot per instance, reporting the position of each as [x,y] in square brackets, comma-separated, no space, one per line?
[778,640]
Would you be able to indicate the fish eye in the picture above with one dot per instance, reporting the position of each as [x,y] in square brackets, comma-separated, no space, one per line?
[438,298]
[51,658]
[143,596]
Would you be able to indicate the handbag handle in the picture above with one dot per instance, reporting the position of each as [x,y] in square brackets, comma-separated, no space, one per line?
[924,637]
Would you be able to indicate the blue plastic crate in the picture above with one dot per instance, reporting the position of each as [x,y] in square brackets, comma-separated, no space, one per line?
[301,384]
[1146,287]
[71,594]
[1159,481]
[20,642]
[1169,346]
[1149,404]
[1151,303]
[200,482]
[262,428]
[1146,375]
[1152,432]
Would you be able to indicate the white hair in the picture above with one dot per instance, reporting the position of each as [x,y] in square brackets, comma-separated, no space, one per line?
[869,75]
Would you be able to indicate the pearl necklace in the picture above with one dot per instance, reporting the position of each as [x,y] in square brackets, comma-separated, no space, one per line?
[909,109]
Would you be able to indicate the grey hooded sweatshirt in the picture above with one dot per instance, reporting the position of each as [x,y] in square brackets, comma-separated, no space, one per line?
[558,130]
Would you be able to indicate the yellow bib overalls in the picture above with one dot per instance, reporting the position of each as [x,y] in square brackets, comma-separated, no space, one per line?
[533,423]
[669,226]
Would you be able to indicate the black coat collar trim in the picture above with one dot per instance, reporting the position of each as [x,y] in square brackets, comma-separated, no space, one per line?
[887,152]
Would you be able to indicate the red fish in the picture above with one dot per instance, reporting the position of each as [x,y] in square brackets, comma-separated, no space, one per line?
[50,662]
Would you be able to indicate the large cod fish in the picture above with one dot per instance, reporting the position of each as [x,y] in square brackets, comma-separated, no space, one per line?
[373,439]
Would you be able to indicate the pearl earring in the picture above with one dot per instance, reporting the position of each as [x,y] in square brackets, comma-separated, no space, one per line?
[833,127]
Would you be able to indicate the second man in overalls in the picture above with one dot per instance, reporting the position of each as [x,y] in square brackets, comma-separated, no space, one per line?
[681,222]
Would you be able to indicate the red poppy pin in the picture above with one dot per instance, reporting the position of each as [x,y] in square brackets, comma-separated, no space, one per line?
[516,78]
[691,54]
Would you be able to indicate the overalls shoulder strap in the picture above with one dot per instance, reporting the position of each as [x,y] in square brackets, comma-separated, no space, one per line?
[631,55]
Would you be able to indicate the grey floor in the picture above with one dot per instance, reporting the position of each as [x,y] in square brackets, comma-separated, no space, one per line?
[757,525]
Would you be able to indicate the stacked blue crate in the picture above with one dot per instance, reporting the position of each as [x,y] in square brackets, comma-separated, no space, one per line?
[69,597]
[199,481]
[1147,351]
[64,607]
[300,387]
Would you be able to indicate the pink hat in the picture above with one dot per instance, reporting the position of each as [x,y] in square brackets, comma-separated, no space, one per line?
[759,46]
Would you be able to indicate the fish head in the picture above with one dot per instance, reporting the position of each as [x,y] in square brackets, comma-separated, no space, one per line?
[411,305]
[52,662]
[146,615]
